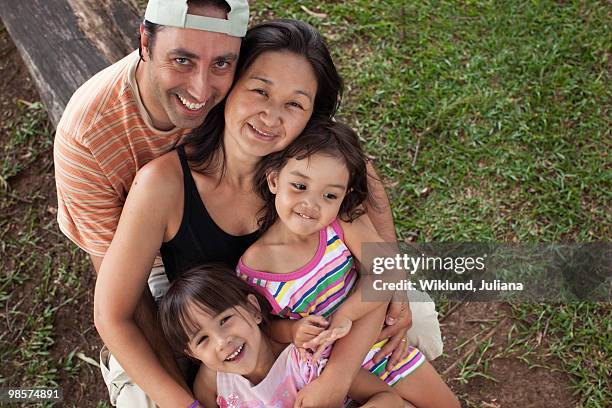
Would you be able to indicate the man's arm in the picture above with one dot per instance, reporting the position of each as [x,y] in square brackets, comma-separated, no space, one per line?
[380,212]
[88,205]
[96,261]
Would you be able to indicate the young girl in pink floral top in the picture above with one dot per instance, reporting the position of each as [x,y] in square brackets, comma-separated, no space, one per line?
[212,316]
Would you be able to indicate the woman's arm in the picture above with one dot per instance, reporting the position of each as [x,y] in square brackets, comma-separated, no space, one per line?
[146,319]
[355,307]
[399,317]
[122,280]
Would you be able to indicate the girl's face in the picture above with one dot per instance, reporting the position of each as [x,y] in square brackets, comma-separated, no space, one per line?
[230,342]
[309,192]
[270,104]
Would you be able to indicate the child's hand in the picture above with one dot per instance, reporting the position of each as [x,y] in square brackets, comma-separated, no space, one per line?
[339,327]
[307,329]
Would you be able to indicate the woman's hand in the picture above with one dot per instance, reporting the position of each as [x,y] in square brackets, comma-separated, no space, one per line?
[398,321]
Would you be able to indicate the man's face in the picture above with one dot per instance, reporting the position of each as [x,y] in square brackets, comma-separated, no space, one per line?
[187,72]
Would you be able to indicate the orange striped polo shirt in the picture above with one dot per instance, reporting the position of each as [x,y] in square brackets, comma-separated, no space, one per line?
[104,136]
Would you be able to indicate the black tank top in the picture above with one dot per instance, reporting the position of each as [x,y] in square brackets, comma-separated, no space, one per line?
[199,239]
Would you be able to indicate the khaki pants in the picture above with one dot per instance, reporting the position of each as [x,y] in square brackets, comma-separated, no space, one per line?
[121,390]
[424,334]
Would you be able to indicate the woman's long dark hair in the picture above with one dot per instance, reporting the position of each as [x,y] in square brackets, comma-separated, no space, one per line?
[277,35]
[321,135]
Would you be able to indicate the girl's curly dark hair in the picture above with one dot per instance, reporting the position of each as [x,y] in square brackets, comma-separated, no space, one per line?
[321,135]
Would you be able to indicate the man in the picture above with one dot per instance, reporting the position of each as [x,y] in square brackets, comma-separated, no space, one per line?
[128,114]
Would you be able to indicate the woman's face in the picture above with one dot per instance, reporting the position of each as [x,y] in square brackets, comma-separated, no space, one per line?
[270,104]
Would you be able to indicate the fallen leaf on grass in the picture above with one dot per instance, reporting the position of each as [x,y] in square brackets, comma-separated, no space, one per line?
[26,103]
[88,360]
[424,192]
[312,13]
[391,184]
[412,237]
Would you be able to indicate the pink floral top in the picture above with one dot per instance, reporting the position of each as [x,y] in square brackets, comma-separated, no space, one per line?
[279,389]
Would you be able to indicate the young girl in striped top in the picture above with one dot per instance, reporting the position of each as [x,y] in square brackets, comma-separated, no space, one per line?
[304,262]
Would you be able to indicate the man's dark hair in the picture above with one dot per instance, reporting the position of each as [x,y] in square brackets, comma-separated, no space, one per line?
[151,29]
[282,35]
[212,288]
[320,136]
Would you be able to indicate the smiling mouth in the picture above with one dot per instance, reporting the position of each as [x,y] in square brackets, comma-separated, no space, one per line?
[192,106]
[261,132]
[236,353]
[304,216]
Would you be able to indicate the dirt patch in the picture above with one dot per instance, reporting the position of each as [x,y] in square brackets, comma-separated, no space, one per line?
[16,83]
[483,362]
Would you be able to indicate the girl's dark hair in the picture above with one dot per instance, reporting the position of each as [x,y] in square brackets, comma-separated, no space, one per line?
[277,35]
[325,136]
[212,288]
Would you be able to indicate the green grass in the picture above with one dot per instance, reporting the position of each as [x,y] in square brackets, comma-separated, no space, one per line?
[40,271]
[29,137]
[490,120]
[500,113]
[504,105]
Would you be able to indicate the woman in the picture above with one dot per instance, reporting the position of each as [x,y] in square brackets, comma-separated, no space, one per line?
[197,203]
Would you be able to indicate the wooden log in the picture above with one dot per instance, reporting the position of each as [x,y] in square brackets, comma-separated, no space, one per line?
[65,42]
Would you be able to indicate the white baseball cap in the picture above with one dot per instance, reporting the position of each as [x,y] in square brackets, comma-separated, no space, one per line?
[174,13]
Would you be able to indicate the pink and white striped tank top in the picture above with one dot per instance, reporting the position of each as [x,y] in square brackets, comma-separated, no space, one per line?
[318,287]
